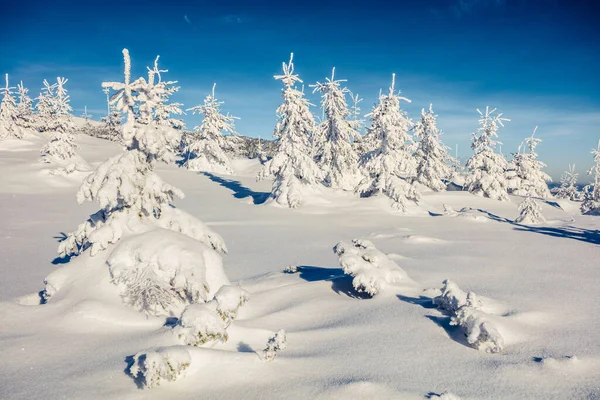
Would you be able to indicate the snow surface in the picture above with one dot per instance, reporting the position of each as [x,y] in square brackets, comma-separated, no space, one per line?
[537,283]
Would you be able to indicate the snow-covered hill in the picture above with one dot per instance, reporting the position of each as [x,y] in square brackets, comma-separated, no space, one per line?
[538,286]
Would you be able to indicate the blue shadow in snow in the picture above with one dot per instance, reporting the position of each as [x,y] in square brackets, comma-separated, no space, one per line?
[239,191]
[340,282]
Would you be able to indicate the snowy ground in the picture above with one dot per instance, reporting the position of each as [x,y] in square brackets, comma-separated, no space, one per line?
[540,283]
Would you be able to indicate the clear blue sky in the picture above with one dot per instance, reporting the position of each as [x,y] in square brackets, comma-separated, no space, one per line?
[537,61]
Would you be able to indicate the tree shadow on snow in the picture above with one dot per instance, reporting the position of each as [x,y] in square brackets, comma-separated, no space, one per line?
[454,332]
[243,347]
[340,282]
[239,191]
[423,301]
[61,260]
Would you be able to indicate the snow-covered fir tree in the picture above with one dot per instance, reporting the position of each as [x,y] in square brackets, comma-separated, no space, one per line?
[292,165]
[205,147]
[433,167]
[9,114]
[530,212]
[86,117]
[486,167]
[163,109]
[524,173]
[112,124]
[332,139]
[62,134]
[45,107]
[25,115]
[390,168]
[129,193]
[568,185]
[591,193]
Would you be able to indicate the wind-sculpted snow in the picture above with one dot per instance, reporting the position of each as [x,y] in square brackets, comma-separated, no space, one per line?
[372,270]
[161,271]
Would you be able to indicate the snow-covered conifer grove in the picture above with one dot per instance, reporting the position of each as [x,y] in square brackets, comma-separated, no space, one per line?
[591,192]
[292,166]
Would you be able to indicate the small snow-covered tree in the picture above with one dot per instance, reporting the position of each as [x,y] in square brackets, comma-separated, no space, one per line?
[113,123]
[62,137]
[390,168]
[45,107]
[332,139]
[525,175]
[205,146]
[163,109]
[568,185]
[275,344]
[530,212]
[292,165]
[130,194]
[591,193]
[9,114]
[486,168]
[25,115]
[432,155]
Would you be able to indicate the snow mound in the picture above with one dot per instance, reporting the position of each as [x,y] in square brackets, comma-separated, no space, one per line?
[153,367]
[160,271]
[229,299]
[372,270]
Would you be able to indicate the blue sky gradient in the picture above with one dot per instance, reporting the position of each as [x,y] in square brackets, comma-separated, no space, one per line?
[537,61]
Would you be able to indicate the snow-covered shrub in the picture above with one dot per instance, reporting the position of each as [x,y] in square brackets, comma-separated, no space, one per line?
[433,167]
[486,168]
[591,193]
[9,113]
[205,147]
[480,331]
[332,139]
[161,271]
[61,126]
[154,367]
[291,269]
[292,165]
[200,324]
[390,167]
[452,298]
[275,344]
[203,323]
[524,173]
[372,270]
[568,185]
[530,212]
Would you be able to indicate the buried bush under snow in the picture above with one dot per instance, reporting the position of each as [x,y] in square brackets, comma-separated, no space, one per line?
[276,343]
[203,323]
[161,271]
[372,270]
[153,367]
[465,312]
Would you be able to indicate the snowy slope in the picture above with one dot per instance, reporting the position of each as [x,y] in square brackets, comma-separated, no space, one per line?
[539,284]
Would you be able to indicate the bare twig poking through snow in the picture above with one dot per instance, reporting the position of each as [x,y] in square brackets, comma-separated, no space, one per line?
[203,323]
[163,364]
[530,212]
[372,270]
[444,396]
[465,311]
[275,344]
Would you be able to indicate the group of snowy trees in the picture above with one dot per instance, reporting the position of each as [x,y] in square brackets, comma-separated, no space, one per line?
[332,153]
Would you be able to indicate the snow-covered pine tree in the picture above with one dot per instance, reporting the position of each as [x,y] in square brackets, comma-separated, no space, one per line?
[45,108]
[568,185]
[530,212]
[204,149]
[112,127]
[292,165]
[62,136]
[85,114]
[525,175]
[9,113]
[164,109]
[131,196]
[333,147]
[486,168]
[591,193]
[25,115]
[390,168]
[432,155]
